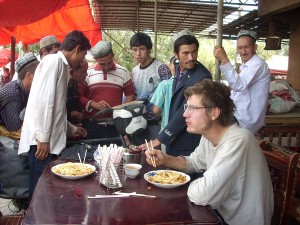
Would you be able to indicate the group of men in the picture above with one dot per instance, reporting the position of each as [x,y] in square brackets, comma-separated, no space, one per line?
[236,181]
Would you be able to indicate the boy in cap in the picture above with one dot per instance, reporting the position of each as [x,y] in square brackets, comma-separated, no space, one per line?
[104,87]
[14,95]
[45,125]
[146,76]
[49,45]
[250,88]
[188,72]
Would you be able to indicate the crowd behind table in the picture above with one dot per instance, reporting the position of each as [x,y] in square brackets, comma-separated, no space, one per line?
[235,169]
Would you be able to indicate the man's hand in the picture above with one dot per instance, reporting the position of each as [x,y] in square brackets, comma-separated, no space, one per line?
[155,143]
[221,55]
[159,157]
[81,132]
[43,150]
[99,105]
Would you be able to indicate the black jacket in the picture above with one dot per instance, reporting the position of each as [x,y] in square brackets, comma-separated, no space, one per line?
[177,140]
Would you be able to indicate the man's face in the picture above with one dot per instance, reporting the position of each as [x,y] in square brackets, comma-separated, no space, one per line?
[80,74]
[246,48]
[196,119]
[105,62]
[187,56]
[77,57]
[54,49]
[140,53]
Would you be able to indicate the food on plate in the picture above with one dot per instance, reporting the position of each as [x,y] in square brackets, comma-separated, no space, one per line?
[167,177]
[73,169]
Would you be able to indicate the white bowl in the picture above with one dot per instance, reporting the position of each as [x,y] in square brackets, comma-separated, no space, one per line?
[132,169]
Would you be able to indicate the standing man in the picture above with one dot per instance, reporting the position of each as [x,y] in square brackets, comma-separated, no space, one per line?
[49,45]
[45,125]
[250,88]
[146,76]
[237,180]
[14,95]
[189,71]
[78,75]
[104,87]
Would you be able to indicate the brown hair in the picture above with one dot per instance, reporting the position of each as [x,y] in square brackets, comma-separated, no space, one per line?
[214,94]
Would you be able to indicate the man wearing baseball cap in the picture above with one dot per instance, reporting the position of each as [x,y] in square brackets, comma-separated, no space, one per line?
[104,87]
[250,88]
[14,95]
[49,45]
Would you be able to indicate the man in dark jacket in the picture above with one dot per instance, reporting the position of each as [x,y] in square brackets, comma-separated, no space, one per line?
[189,71]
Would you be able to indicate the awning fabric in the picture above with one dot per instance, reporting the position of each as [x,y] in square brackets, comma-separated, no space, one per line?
[30,20]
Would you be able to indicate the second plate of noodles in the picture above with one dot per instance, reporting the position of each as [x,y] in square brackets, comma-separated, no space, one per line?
[167,178]
[71,170]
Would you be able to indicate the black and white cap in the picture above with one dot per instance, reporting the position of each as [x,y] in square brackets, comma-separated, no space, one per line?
[25,60]
[250,33]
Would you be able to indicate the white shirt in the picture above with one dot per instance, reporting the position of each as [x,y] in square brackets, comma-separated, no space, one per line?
[250,91]
[46,115]
[237,180]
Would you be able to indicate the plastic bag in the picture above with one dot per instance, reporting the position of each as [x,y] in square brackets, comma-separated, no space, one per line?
[14,170]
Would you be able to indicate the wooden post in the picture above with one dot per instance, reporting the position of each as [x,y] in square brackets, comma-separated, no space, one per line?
[155,29]
[12,57]
[219,37]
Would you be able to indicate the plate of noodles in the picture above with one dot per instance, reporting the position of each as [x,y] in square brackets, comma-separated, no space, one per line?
[71,170]
[167,178]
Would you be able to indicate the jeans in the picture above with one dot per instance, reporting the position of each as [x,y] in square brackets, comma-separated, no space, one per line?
[36,167]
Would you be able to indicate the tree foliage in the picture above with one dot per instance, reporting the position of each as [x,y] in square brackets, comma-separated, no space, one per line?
[122,51]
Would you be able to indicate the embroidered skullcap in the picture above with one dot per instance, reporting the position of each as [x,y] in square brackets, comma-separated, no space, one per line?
[101,49]
[182,33]
[48,40]
[25,60]
[250,33]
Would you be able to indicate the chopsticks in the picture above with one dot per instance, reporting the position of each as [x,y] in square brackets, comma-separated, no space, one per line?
[82,162]
[120,194]
[152,158]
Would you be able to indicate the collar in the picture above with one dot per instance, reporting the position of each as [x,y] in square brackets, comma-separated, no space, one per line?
[62,56]
[251,61]
[97,67]
[19,83]
[145,67]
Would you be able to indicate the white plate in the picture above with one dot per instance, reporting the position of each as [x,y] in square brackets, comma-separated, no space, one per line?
[146,176]
[73,177]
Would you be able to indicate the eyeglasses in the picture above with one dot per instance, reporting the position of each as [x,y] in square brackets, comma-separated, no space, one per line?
[103,64]
[190,109]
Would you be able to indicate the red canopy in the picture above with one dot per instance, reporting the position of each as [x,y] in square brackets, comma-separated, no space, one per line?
[5,56]
[30,20]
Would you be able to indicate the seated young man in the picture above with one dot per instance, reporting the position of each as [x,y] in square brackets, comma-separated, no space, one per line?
[14,95]
[237,180]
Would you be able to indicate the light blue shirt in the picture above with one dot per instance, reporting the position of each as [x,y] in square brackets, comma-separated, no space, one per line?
[162,99]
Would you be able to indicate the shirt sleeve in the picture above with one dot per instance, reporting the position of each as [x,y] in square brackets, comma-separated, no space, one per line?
[128,85]
[47,77]
[82,96]
[250,74]
[10,116]
[219,180]
[158,96]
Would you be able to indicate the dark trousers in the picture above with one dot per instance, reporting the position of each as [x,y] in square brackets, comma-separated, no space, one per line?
[36,167]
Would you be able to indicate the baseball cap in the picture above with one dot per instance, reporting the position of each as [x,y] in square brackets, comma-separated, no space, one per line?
[48,40]
[25,60]
[250,33]
[101,49]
